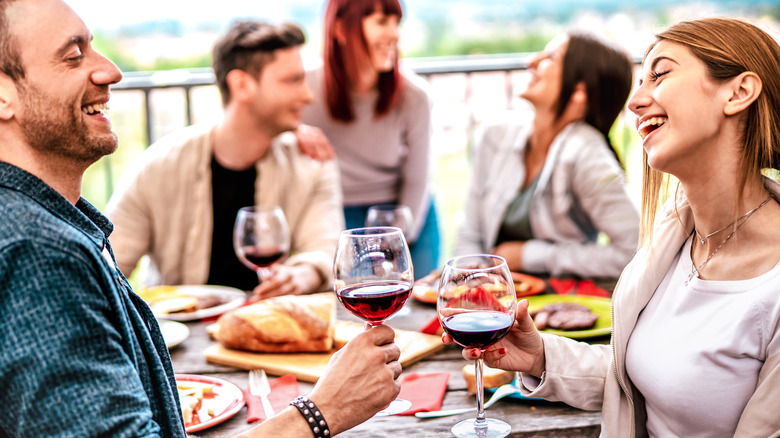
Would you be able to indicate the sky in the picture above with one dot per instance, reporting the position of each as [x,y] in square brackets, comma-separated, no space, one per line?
[98,15]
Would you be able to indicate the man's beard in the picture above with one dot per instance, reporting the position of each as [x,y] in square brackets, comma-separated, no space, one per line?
[52,128]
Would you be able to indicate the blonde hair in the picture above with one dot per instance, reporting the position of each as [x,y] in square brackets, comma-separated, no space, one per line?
[727,47]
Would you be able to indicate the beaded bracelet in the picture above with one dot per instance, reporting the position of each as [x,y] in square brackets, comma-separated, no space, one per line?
[313,416]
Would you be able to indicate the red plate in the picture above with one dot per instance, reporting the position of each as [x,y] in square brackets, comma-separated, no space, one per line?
[228,400]
[527,285]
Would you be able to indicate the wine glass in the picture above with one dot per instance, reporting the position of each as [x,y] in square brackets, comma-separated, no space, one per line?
[476,307]
[373,278]
[390,215]
[261,238]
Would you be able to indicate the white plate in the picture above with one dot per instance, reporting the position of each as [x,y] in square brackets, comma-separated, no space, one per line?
[235,298]
[229,398]
[173,332]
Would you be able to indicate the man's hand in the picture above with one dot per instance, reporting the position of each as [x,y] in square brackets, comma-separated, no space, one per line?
[360,379]
[288,280]
[512,252]
[313,142]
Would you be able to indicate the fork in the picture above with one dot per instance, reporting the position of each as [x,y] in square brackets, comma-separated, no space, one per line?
[259,387]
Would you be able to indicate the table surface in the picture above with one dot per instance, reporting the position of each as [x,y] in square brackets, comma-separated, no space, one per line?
[527,418]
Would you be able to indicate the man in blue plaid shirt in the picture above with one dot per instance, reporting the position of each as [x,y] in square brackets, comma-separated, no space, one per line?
[80,353]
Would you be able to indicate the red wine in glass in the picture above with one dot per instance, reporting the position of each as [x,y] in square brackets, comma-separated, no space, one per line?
[375,302]
[373,278]
[476,306]
[263,256]
[477,329]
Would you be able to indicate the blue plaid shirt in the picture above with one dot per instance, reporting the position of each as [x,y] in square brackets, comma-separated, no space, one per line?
[80,353]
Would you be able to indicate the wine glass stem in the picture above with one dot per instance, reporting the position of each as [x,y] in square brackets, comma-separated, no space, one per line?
[480,393]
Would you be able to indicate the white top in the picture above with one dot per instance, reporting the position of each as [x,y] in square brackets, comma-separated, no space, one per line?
[709,338]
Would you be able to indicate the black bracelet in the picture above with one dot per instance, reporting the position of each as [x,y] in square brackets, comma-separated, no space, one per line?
[313,416]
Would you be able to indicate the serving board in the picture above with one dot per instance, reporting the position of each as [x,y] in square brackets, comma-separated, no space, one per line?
[309,367]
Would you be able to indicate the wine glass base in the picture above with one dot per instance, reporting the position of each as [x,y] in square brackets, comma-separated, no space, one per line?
[395,407]
[490,428]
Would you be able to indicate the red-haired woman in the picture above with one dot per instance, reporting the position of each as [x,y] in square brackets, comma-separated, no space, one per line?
[378,119]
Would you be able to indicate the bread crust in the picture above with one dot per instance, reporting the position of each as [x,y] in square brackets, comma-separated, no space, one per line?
[288,324]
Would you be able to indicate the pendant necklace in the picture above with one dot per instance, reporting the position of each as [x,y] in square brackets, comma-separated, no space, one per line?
[740,221]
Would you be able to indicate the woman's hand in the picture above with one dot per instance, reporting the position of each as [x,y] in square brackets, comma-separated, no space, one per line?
[522,349]
[313,142]
[512,252]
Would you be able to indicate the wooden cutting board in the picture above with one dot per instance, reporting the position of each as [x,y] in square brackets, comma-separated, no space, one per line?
[310,366]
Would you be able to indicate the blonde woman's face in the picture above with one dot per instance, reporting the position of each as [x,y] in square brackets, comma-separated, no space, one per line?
[680,111]
[381,32]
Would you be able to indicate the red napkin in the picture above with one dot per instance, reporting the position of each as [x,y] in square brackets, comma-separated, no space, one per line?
[425,391]
[588,287]
[283,390]
[433,327]
[582,287]
[562,286]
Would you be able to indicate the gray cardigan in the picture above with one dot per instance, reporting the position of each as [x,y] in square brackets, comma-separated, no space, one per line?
[581,192]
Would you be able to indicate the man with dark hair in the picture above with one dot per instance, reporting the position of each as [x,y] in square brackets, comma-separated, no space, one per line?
[178,202]
[80,353]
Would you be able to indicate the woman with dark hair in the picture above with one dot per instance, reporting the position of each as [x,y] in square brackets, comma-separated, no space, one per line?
[378,119]
[695,345]
[547,183]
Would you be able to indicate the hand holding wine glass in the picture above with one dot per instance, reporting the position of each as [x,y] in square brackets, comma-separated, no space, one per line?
[373,278]
[476,307]
[261,238]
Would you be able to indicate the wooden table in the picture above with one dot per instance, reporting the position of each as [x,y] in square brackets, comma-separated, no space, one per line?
[527,418]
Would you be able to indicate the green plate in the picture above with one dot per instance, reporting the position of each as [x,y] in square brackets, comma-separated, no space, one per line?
[598,305]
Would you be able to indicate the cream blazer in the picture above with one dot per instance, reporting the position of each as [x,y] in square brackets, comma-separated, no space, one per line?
[162,207]
[593,377]
[581,192]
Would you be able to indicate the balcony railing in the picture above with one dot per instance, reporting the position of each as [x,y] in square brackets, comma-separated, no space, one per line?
[187,80]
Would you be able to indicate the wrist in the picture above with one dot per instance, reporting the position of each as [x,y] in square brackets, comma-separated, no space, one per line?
[314,418]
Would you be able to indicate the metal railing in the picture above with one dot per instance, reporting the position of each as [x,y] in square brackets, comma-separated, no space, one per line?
[186,80]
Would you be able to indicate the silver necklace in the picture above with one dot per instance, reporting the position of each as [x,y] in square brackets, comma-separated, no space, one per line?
[740,221]
[703,240]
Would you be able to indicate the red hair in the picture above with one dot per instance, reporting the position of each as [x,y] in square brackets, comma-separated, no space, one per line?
[342,61]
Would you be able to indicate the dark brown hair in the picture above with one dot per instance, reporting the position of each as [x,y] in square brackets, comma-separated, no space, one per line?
[249,46]
[606,73]
[342,61]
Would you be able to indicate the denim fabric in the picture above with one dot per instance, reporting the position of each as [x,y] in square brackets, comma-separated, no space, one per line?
[80,353]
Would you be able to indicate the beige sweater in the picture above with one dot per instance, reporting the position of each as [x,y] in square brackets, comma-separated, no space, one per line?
[162,207]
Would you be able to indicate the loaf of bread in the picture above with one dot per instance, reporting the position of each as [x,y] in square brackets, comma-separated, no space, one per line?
[287,324]
[491,377]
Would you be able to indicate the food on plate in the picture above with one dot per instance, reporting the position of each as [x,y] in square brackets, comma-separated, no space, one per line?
[164,300]
[425,288]
[522,285]
[286,324]
[492,377]
[564,316]
[196,402]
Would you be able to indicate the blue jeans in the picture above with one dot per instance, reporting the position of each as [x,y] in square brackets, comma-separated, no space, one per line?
[425,251]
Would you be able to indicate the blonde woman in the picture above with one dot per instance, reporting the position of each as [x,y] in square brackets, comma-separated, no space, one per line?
[696,344]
